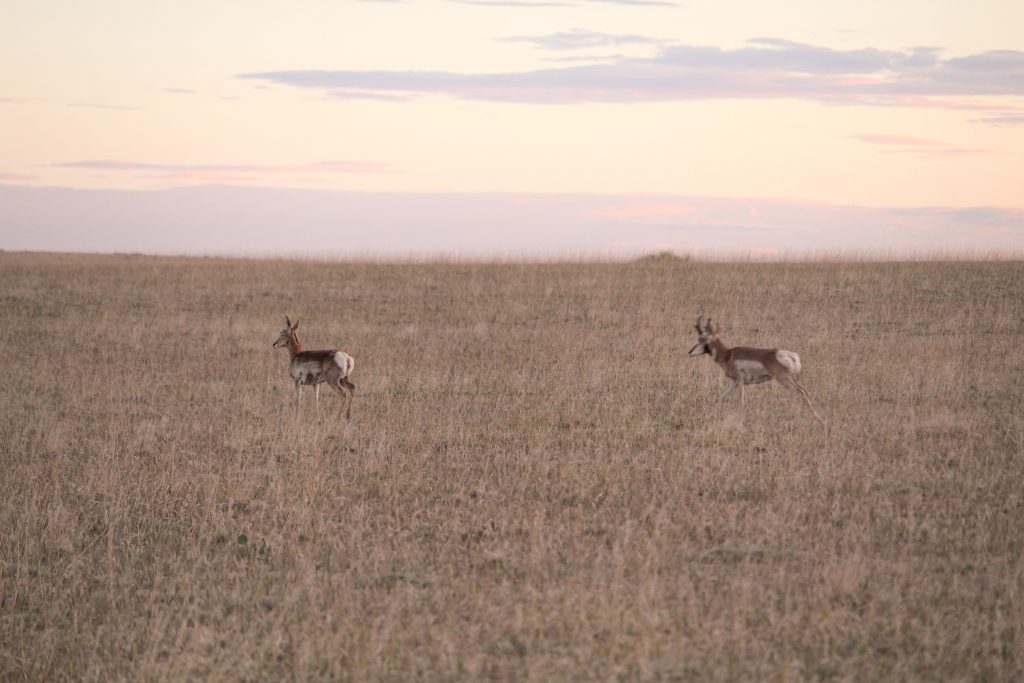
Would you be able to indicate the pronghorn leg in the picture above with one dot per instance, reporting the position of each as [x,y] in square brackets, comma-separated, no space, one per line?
[351,395]
[728,391]
[298,393]
[345,389]
[802,393]
[807,399]
[739,383]
[317,390]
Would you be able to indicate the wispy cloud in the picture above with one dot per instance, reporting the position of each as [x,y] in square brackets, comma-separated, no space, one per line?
[920,147]
[515,3]
[579,39]
[566,3]
[581,58]
[902,140]
[367,95]
[223,173]
[15,177]
[101,105]
[639,3]
[764,68]
[1005,118]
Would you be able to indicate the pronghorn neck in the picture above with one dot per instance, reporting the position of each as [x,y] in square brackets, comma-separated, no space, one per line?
[294,345]
[719,351]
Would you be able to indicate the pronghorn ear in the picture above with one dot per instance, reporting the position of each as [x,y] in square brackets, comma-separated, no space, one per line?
[296,325]
[708,327]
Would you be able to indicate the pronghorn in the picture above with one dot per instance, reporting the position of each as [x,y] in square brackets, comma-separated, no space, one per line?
[746,365]
[316,367]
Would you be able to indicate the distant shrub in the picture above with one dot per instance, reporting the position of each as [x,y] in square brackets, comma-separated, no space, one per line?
[664,258]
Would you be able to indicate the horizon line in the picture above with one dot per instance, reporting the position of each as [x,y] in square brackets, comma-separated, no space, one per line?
[596,257]
[507,193]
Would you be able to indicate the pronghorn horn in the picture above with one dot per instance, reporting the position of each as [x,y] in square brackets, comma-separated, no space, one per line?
[699,319]
[287,321]
[709,328]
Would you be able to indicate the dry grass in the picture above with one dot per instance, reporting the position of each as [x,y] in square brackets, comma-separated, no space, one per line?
[529,488]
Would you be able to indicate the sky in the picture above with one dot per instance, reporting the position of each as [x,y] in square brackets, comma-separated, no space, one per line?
[512,127]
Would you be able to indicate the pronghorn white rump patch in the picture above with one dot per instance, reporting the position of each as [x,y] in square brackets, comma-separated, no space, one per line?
[345,362]
[790,359]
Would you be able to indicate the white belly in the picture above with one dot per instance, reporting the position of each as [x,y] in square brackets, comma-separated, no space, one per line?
[307,373]
[752,372]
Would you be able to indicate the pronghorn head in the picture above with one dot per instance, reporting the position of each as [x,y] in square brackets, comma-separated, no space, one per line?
[285,336]
[703,337]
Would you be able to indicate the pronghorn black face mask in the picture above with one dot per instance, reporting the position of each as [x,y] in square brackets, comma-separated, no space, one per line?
[701,347]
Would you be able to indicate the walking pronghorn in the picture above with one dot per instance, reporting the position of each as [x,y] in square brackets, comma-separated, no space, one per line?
[746,365]
[316,367]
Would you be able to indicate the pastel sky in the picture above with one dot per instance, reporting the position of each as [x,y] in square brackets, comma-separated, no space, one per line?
[512,126]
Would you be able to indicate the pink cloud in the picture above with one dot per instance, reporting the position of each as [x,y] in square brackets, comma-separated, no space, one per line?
[643,212]
[15,177]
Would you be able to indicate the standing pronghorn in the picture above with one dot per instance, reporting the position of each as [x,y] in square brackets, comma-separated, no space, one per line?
[315,367]
[746,365]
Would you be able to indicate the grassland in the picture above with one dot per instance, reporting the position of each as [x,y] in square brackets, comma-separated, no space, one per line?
[531,487]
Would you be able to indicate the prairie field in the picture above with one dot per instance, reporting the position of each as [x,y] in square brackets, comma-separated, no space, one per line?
[534,484]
